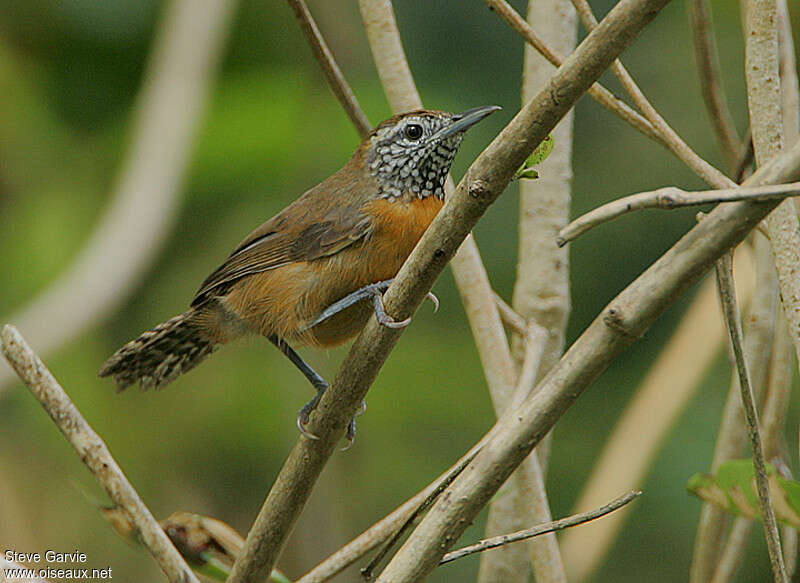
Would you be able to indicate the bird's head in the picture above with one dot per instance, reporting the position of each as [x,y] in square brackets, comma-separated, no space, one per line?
[410,154]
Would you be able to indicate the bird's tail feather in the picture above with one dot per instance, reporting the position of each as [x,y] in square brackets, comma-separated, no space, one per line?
[159,356]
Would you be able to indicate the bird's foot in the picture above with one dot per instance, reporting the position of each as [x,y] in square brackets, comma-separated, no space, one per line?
[374,291]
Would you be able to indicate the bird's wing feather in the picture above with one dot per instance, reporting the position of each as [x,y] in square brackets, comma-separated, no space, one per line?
[280,241]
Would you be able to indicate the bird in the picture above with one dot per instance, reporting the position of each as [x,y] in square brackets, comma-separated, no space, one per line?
[314,273]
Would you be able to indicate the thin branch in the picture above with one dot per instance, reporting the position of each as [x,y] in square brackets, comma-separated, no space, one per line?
[93,452]
[332,72]
[790,89]
[119,252]
[540,529]
[709,555]
[670,137]
[598,92]
[380,532]
[368,571]
[620,324]
[483,183]
[731,310]
[510,318]
[661,397]
[669,198]
[468,269]
[733,553]
[705,52]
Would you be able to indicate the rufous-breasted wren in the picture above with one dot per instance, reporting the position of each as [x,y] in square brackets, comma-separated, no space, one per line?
[315,272]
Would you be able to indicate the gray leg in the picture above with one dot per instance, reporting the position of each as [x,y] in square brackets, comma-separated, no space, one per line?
[318,383]
[374,291]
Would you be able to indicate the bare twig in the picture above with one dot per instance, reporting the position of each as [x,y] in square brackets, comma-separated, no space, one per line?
[670,137]
[731,310]
[709,556]
[671,197]
[705,52]
[510,318]
[541,290]
[790,91]
[484,182]
[93,452]
[660,399]
[539,529]
[383,529]
[368,571]
[180,71]
[333,73]
[622,321]
[470,274]
[597,91]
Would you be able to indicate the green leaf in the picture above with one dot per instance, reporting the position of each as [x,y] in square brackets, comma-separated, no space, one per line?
[538,156]
[734,489]
[541,152]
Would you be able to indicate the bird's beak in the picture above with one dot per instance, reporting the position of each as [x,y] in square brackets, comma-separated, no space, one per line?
[465,120]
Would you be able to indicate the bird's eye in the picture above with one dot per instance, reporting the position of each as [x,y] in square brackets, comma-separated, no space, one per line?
[413,131]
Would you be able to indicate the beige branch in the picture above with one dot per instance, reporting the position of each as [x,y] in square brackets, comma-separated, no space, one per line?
[790,91]
[145,199]
[93,452]
[647,420]
[332,72]
[598,92]
[484,182]
[670,138]
[705,52]
[733,321]
[620,323]
[709,555]
[670,197]
[540,529]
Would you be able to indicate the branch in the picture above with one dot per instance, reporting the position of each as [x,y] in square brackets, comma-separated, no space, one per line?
[790,92]
[332,72]
[598,92]
[117,254]
[93,452]
[705,52]
[669,198]
[731,310]
[669,137]
[709,558]
[620,324]
[661,397]
[483,183]
[382,530]
[540,529]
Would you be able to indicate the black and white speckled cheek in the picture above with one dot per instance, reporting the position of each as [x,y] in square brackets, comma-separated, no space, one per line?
[418,167]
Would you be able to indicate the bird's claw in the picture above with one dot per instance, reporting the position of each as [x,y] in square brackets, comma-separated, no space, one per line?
[383,318]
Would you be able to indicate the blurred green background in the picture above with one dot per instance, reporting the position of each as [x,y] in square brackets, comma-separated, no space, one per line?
[214,440]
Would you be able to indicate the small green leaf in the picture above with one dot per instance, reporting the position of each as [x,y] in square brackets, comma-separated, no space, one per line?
[538,156]
[527,173]
[541,152]
[734,489]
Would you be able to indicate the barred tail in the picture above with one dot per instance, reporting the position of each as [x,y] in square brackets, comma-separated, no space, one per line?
[159,356]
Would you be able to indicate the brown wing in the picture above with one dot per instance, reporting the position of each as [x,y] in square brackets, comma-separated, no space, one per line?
[281,241]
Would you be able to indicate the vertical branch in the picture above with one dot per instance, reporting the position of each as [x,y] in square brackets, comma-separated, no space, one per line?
[705,52]
[468,269]
[180,71]
[659,400]
[541,290]
[711,551]
[332,72]
[790,92]
[725,284]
